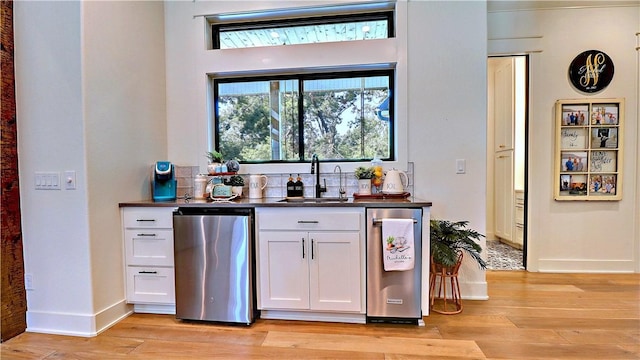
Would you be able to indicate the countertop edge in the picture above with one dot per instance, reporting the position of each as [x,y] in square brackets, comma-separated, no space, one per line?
[275,202]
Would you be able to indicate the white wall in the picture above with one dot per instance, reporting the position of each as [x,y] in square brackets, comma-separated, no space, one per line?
[90,98]
[125,119]
[51,138]
[448,115]
[575,236]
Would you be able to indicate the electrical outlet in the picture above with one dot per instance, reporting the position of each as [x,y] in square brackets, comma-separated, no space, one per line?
[28,282]
[461,166]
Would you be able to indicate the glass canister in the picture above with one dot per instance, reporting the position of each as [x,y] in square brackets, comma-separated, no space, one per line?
[200,186]
[376,181]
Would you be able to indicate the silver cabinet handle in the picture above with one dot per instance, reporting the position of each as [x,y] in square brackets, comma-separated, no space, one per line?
[312,252]
[146,234]
[308,221]
[303,254]
[145,220]
[147,272]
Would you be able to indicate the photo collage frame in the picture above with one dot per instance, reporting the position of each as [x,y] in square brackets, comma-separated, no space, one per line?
[588,153]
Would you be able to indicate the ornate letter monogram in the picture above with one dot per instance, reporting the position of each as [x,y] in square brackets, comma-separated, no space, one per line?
[591,71]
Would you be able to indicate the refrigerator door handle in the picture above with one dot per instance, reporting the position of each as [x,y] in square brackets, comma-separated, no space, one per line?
[379,221]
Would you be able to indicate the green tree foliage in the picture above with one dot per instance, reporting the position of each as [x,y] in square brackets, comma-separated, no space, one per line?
[334,126]
[244,126]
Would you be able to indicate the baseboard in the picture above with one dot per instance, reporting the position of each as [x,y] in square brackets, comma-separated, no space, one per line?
[112,315]
[474,290]
[155,309]
[511,243]
[313,316]
[83,325]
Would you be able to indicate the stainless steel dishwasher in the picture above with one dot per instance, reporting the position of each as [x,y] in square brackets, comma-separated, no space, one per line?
[393,296]
[214,259]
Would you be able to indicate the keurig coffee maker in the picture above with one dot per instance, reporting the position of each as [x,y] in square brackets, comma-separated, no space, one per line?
[163,183]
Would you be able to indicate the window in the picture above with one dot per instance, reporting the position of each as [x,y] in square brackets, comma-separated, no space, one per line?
[377,25]
[338,116]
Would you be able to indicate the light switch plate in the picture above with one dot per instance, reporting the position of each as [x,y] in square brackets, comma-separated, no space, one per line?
[70,180]
[47,180]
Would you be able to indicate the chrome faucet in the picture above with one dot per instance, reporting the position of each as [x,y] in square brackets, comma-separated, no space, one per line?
[315,169]
[341,190]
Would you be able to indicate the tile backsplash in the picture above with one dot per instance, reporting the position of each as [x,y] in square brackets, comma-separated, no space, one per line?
[277,184]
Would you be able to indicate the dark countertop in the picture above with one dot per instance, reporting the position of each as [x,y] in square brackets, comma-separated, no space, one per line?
[410,202]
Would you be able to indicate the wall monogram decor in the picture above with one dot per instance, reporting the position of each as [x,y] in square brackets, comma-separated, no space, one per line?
[591,71]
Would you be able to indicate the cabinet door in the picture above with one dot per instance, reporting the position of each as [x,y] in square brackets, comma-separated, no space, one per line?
[334,271]
[504,106]
[284,270]
[503,194]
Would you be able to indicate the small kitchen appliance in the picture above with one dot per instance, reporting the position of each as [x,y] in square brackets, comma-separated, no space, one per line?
[163,181]
[393,183]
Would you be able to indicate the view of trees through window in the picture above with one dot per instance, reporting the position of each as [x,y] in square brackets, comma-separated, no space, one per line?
[338,117]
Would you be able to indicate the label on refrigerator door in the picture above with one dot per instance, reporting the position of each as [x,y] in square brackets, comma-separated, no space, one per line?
[394,301]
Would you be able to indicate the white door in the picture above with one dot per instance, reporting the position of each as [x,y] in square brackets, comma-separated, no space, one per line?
[504,106]
[335,271]
[284,270]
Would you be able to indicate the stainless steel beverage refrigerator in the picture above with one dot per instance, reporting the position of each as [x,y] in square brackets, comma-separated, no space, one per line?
[214,269]
[393,296]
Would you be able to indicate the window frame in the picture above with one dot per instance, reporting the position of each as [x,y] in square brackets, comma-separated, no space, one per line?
[218,27]
[301,77]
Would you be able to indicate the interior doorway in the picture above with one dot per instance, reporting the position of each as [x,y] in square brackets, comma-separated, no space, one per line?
[507,79]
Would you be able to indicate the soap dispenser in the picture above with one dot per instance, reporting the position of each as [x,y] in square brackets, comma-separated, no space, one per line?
[299,187]
[291,190]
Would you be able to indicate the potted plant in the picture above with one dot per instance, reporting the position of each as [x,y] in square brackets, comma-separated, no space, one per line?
[364,176]
[449,241]
[237,183]
[215,161]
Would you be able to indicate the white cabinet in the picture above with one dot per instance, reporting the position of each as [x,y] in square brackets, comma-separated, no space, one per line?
[310,259]
[504,106]
[148,248]
[504,195]
[518,238]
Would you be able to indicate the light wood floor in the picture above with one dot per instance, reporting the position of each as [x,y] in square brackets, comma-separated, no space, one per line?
[528,316]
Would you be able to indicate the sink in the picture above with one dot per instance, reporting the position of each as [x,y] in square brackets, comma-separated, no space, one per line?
[314,200]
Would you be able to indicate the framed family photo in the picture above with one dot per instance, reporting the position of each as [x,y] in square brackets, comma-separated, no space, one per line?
[588,149]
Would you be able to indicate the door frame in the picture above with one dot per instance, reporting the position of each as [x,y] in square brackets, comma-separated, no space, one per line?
[525,157]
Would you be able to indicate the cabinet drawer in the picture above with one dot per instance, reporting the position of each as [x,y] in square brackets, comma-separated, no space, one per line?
[300,219]
[150,285]
[145,217]
[150,247]
[519,214]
